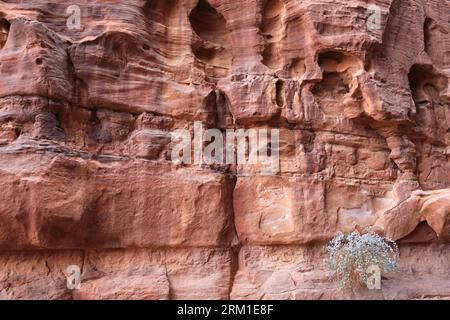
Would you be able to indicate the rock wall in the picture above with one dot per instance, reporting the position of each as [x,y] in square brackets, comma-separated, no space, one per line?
[358,90]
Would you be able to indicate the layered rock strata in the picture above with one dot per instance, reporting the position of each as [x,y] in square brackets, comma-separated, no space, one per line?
[359,92]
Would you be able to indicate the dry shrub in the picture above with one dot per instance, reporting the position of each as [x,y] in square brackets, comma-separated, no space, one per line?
[352,254]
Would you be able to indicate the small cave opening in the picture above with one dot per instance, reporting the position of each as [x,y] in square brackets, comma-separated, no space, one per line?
[272,29]
[212,47]
[159,11]
[340,67]
[336,56]
[279,93]
[336,92]
[428,26]
[222,107]
[424,84]
[336,61]
[203,53]
[209,24]
[5,25]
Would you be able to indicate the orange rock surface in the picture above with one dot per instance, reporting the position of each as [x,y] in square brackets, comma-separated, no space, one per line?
[86,115]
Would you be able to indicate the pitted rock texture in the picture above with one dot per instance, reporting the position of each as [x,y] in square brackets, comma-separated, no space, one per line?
[86,116]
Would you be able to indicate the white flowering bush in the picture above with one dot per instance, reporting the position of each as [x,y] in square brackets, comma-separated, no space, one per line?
[352,254]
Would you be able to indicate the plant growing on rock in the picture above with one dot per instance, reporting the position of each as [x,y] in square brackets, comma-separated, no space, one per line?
[352,254]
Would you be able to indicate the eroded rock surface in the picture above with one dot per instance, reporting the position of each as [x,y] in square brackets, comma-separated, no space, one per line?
[86,115]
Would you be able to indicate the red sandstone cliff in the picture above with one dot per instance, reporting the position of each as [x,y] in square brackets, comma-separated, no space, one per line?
[85,121]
